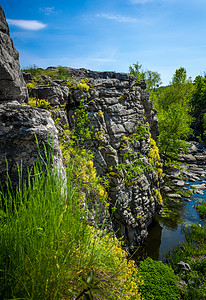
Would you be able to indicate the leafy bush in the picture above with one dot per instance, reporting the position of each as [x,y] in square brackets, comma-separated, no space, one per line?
[159,281]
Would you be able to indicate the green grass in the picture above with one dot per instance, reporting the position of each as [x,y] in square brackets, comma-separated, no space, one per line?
[59,74]
[48,250]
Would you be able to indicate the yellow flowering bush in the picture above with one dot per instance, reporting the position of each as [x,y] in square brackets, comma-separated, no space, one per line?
[159,196]
[84,171]
[99,134]
[154,151]
[82,84]
[40,103]
[100,113]
[112,274]
[31,85]
[154,158]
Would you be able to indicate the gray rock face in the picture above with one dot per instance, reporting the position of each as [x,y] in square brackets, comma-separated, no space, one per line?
[54,93]
[19,124]
[3,24]
[120,144]
[174,196]
[12,85]
[118,111]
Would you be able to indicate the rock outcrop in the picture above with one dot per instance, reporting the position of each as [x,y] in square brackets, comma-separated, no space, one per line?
[121,118]
[121,146]
[20,125]
[12,85]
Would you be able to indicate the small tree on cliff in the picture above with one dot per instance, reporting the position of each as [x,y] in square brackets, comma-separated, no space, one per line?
[152,79]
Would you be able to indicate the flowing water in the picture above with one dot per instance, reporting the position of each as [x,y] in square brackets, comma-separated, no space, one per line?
[166,230]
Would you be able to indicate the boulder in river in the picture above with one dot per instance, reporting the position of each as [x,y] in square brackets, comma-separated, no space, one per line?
[177,196]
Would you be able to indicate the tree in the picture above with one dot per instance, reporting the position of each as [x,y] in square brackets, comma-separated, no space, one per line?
[199,104]
[152,79]
[173,104]
[180,76]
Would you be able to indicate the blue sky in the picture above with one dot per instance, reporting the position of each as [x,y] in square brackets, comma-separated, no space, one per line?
[110,35]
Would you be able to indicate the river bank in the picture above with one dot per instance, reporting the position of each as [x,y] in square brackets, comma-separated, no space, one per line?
[183,189]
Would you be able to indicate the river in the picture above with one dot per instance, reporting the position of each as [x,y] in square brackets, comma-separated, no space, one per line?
[166,230]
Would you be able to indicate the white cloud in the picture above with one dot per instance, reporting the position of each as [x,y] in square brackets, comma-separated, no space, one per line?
[27,24]
[119,18]
[48,10]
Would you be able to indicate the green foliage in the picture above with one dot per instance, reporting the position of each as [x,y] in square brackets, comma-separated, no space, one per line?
[180,76]
[199,104]
[33,70]
[132,165]
[193,252]
[173,107]
[81,119]
[60,73]
[159,281]
[48,250]
[151,78]
[201,208]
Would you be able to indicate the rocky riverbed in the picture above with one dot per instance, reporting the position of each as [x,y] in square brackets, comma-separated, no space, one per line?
[193,169]
[183,189]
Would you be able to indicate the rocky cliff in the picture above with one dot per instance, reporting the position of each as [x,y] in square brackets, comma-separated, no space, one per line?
[121,146]
[116,111]
[12,85]
[121,119]
[20,125]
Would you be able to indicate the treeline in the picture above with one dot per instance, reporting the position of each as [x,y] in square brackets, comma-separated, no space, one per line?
[181,108]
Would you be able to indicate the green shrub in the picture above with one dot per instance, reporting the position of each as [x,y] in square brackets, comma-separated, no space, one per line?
[159,281]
